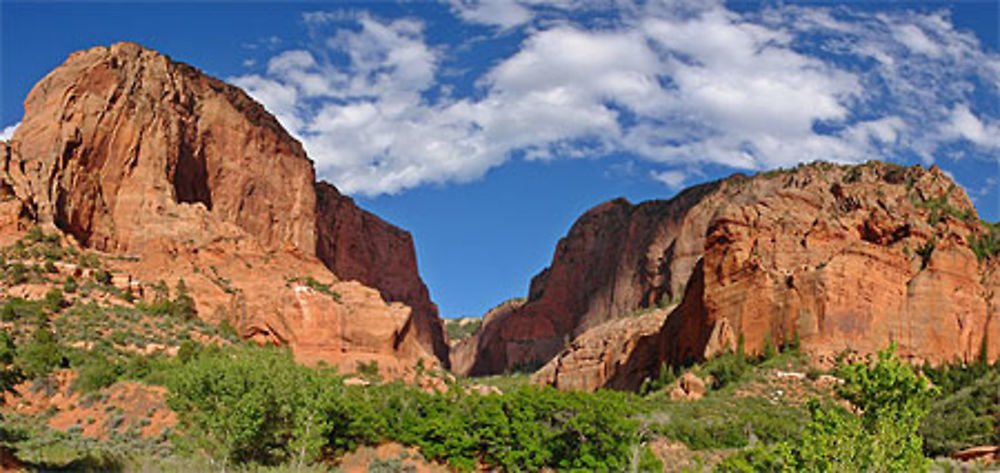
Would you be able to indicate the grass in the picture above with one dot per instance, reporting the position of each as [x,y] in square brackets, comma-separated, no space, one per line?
[505,383]
[457,330]
[751,406]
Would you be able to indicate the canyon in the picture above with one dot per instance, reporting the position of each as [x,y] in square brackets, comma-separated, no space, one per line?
[171,175]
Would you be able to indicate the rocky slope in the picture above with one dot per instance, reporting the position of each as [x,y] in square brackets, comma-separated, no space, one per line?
[847,258]
[180,175]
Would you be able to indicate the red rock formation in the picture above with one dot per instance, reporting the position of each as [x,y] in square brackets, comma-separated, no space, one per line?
[134,154]
[849,258]
[606,355]
[617,258]
[358,245]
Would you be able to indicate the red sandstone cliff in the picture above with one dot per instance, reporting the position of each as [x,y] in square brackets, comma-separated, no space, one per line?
[134,154]
[850,258]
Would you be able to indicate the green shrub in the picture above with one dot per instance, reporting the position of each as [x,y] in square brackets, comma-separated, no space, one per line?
[256,405]
[664,378]
[54,301]
[17,308]
[41,354]
[893,400]
[10,373]
[986,244]
[967,417]
[727,369]
[70,286]
[183,307]
[96,373]
[724,422]
[102,276]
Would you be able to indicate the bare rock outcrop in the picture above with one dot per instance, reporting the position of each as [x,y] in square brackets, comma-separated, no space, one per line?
[136,155]
[601,356]
[846,257]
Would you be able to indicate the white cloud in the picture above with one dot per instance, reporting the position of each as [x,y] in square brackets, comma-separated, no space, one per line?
[8,132]
[964,124]
[681,84]
[673,179]
[502,13]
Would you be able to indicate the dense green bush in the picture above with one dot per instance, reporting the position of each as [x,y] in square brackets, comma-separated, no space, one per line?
[41,354]
[95,373]
[724,422]
[256,405]
[968,417]
[17,308]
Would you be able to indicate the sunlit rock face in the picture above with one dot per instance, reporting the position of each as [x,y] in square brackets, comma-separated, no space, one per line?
[840,257]
[134,154]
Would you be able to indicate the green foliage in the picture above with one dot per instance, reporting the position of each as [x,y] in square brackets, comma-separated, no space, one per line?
[939,207]
[986,244]
[458,329]
[727,368]
[893,401]
[10,374]
[16,273]
[648,462]
[239,408]
[96,373]
[853,174]
[41,354]
[926,251]
[227,330]
[966,417]
[770,351]
[257,405]
[17,308]
[181,307]
[54,301]
[664,378]
[70,286]
[317,286]
[102,276]
[724,421]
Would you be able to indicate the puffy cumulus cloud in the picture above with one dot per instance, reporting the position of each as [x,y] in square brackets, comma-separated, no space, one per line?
[8,132]
[680,85]
[502,13]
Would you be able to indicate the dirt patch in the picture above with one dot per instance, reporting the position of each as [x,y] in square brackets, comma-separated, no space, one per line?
[389,455]
[124,406]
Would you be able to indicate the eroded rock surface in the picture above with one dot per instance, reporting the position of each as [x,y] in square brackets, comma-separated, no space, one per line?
[184,176]
[847,257]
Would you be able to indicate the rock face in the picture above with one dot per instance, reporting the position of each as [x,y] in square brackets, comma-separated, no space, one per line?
[134,154]
[617,258]
[848,258]
[601,356]
[358,245]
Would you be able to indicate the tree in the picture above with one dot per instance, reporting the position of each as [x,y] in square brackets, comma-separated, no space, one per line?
[10,374]
[891,400]
[183,306]
[41,355]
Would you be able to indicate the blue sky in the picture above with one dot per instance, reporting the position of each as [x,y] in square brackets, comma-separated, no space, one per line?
[486,127]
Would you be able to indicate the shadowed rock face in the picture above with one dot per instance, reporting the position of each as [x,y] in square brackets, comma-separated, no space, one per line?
[132,153]
[358,245]
[616,258]
[847,258]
